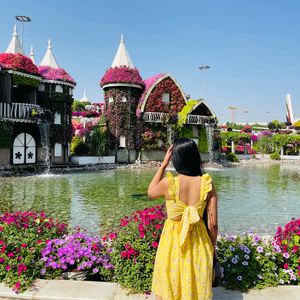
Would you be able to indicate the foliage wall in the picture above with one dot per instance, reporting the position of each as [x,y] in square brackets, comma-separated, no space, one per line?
[155,104]
[6,136]
[120,116]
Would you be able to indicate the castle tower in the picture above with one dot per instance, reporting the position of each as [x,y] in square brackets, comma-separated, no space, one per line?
[123,86]
[55,93]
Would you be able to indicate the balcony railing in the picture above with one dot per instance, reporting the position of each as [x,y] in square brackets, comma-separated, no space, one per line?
[155,117]
[199,120]
[18,111]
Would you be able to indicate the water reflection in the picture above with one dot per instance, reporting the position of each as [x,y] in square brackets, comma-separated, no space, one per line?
[259,197]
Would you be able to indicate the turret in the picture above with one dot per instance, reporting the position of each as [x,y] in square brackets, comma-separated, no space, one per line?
[123,86]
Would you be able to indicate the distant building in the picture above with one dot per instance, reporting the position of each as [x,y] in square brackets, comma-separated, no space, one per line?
[35,108]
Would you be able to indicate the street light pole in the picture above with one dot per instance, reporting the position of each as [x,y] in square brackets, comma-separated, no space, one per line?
[203,69]
[22,19]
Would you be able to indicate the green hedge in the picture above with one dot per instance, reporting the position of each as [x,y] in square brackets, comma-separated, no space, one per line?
[202,140]
[6,136]
[20,80]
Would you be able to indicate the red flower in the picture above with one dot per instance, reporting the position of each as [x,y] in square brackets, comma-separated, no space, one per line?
[1,228]
[10,254]
[24,245]
[17,285]
[39,241]
[2,260]
[154,244]
[286,266]
[112,236]
[124,254]
[8,268]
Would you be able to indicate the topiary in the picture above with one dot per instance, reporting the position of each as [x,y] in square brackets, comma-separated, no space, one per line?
[232,157]
[275,156]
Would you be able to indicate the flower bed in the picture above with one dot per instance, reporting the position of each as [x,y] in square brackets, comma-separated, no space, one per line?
[23,236]
[34,246]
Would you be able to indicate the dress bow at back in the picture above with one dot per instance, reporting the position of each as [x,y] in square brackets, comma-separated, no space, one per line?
[188,215]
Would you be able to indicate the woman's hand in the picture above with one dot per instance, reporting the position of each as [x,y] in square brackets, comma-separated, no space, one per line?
[167,157]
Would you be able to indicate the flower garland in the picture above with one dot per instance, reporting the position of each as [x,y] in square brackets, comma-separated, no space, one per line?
[122,74]
[55,74]
[18,62]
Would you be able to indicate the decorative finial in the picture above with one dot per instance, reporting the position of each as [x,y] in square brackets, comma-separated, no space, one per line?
[15,31]
[122,38]
[32,54]
[49,44]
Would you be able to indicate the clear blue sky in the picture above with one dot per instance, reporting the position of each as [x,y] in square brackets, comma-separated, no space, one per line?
[253,47]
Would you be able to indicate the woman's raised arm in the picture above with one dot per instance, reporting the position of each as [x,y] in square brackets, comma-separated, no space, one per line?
[159,185]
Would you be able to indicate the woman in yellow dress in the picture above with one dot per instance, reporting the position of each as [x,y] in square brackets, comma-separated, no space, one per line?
[184,260]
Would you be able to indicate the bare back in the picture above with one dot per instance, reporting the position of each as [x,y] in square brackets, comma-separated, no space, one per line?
[189,189]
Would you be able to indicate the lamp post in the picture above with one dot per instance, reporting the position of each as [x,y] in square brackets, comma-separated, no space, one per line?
[23,19]
[203,69]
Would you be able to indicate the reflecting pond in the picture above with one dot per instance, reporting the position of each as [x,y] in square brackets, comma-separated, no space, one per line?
[259,197]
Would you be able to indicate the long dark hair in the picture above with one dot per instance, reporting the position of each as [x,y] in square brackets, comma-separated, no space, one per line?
[186,158]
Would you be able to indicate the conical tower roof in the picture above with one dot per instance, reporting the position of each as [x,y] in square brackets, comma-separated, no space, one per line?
[15,44]
[122,57]
[49,59]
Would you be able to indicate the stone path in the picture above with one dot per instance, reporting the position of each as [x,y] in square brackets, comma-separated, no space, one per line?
[89,290]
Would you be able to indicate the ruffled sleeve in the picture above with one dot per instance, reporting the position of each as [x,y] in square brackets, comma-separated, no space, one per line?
[171,189]
[206,185]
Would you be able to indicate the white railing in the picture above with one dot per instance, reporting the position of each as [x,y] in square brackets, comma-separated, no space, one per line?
[155,117]
[195,119]
[17,110]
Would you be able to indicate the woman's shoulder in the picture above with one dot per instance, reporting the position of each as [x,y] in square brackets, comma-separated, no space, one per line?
[206,183]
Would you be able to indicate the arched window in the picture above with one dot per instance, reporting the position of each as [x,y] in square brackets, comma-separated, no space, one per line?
[57,150]
[24,149]
[41,87]
[58,89]
[122,141]
[166,97]
[57,118]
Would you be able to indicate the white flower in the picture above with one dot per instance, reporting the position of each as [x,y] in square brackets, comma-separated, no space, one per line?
[245,263]
[239,278]
[246,256]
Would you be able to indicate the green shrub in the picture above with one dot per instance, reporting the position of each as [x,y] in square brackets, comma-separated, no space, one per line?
[296,124]
[202,141]
[79,147]
[275,156]
[6,136]
[98,142]
[231,157]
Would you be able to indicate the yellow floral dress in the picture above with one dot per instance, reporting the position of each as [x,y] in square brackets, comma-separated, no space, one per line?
[184,260]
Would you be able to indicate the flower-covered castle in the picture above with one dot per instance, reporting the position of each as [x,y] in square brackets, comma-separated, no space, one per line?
[148,114]
[35,108]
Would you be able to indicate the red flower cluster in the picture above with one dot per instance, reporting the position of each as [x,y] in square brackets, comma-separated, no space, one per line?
[149,221]
[55,74]
[28,219]
[18,62]
[122,75]
[286,242]
[129,252]
[285,238]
